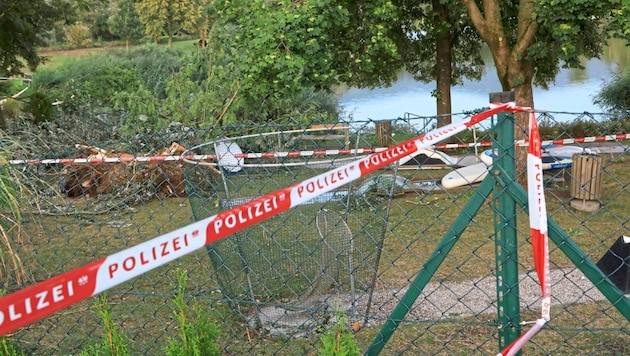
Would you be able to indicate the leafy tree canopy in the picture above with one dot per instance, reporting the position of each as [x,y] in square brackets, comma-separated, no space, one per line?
[619,24]
[124,21]
[169,17]
[281,43]
[22,23]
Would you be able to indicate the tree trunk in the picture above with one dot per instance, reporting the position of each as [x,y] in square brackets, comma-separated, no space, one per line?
[521,77]
[513,70]
[444,67]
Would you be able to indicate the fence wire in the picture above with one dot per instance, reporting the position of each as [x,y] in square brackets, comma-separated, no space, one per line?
[274,287]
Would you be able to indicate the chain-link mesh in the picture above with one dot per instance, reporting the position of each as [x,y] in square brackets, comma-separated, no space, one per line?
[273,286]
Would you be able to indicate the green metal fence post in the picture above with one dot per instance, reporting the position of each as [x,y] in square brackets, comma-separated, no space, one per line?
[506,246]
[581,260]
[431,266]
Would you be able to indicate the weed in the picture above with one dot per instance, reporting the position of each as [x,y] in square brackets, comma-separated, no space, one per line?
[113,342]
[11,266]
[8,346]
[338,340]
[197,333]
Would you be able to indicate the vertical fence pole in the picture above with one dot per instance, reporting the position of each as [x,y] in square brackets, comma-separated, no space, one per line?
[506,247]
[429,269]
[581,260]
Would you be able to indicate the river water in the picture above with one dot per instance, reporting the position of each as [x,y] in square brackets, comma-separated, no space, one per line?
[573,91]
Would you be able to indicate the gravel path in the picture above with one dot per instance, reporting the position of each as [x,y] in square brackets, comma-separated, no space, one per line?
[474,297]
[437,301]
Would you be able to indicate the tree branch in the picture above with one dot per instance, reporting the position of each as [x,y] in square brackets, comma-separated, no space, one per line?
[9,8]
[477,18]
[527,27]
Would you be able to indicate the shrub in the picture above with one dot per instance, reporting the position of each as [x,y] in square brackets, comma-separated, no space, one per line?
[78,35]
[39,107]
[615,94]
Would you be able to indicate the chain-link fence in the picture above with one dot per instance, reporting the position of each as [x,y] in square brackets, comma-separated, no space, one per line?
[421,257]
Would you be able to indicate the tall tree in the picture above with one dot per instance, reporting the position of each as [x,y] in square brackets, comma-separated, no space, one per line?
[443,48]
[531,39]
[360,43]
[169,16]
[197,19]
[93,14]
[22,23]
[124,21]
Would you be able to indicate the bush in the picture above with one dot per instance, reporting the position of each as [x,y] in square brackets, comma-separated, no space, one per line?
[615,94]
[154,65]
[39,107]
[78,35]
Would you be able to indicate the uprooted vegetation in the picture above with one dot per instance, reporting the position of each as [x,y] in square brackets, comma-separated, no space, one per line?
[166,179]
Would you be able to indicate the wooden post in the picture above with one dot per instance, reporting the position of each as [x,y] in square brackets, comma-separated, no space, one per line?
[383,133]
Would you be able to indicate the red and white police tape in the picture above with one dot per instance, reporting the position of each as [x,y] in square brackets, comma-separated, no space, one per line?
[209,157]
[562,141]
[44,298]
[538,231]
[306,153]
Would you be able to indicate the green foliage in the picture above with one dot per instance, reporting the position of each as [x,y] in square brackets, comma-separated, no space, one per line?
[149,87]
[102,79]
[615,94]
[207,90]
[419,51]
[368,53]
[94,15]
[618,23]
[338,340]
[281,46]
[197,333]
[8,346]
[89,80]
[124,21]
[113,342]
[40,108]
[169,17]
[569,32]
[21,25]
[153,65]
